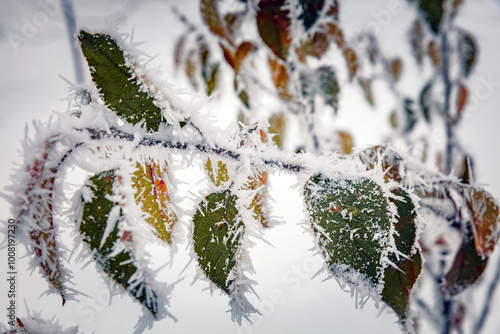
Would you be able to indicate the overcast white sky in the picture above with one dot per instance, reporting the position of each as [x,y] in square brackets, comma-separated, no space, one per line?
[30,88]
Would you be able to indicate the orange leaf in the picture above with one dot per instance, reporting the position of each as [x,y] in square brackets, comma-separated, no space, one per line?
[434,53]
[280,78]
[352,62]
[346,142]
[462,99]
[241,52]
[396,68]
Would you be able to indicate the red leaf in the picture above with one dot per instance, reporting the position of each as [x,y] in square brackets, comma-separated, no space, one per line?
[228,56]
[467,267]
[462,99]
[273,24]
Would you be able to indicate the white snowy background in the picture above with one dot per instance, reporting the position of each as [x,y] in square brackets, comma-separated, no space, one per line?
[290,301]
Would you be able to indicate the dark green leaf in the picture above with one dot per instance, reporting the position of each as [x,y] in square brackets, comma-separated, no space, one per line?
[120,267]
[217,234]
[398,283]
[468,54]
[273,24]
[433,11]
[425,102]
[405,227]
[411,117]
[350,219]
[120,91]
[321,81]
[310,11]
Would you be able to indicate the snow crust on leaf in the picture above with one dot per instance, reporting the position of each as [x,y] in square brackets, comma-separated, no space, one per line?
[218,232]
[116,252]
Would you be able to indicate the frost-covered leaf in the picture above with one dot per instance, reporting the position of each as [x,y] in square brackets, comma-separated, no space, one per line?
[432,11]
[273,23]
[191,68]
[310,11]
[321,81]
[280,77]
[406,229]
[277,125]
[151,194]
[315,46]
[391,162]
[217,235]
[212,18]
[37,217]
[366,86]
[118,86]
[467,53]
[352,61]
[337,34]
[100,230]
[398,283]
[351,223]
[485,222]
[425,101]
[258,183]
[218,174]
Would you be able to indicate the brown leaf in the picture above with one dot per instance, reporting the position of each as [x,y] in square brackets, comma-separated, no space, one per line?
[280,78]
[241,53]
[315,47]
[434,53]
[485,220]
[212,18]
[366,85]
[277,127]
[396,68]
[416,39]
[337,34]
[352,62]
[333,11]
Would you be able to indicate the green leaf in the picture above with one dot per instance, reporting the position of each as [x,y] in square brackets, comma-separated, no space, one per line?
[277,125]
[210,74]
[273,24]
[217,234]
[351,222]
[406,229]
[398,283]
[151,194]
[94,226]
[120,90]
